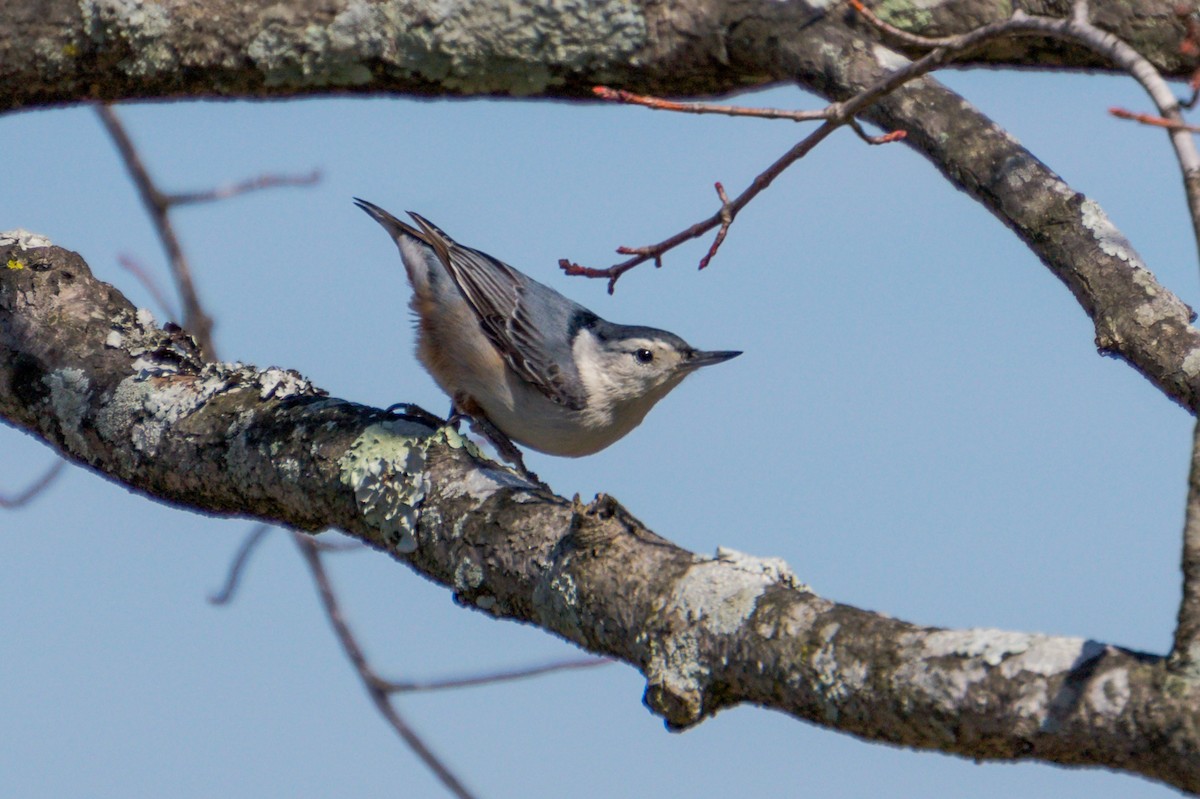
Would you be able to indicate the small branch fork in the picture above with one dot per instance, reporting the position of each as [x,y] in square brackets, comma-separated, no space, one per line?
[158,205]
[835,116]
[379,689]
[376,687]
[1185,654]
[1077,28]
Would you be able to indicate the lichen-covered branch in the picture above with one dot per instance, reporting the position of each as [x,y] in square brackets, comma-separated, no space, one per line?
[87,372]
[59,52]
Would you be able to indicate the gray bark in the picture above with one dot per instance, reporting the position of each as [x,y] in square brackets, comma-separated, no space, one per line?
[81,368]
[54,51]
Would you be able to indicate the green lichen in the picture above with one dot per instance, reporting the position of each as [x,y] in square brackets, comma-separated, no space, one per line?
[909,15]
[496,48]
[385,466]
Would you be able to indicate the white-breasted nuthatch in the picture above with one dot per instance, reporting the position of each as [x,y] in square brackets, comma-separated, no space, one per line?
[520,359]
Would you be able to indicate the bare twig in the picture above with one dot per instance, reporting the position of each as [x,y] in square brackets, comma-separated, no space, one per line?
[835,116]
[495,677]
[39,485]
[1185,654]
[1078,29]
[244,187]
[157,205]
[149,284]
[238,565]
[658,103]
[1151,119]
[376,687]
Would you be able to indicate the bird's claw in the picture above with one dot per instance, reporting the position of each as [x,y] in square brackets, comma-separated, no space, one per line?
[415,413]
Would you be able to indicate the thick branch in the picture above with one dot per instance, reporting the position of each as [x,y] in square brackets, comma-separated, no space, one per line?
[53,51]
[82,369]
[1135,318]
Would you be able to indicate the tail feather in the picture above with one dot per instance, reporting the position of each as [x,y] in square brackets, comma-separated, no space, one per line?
[391,224]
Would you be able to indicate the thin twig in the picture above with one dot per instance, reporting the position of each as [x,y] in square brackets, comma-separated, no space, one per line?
[1185,654]
[835,116]
[157,205]
[149,284]
[658,103]
[494,677]
[39,485]
[376,688]
[244,187]
[238,565]
[1078,29]
[1151,119]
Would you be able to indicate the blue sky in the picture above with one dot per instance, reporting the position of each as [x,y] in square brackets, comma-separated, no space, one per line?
[920,425]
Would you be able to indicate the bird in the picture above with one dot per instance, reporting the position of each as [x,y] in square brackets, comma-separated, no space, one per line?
[522,362]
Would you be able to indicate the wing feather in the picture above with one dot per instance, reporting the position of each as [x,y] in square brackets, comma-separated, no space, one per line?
[498,294]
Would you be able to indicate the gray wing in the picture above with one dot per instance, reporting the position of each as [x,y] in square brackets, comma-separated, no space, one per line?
[506,302]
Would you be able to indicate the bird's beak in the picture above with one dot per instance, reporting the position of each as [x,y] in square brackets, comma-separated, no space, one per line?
[700,358]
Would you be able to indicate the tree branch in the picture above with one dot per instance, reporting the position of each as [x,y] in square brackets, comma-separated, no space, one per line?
[54,53]
[1078,28]
[376,688]
[141,406]
[1185,654]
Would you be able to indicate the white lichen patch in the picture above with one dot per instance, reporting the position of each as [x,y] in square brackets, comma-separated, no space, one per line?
[1110,240]
[1191,363]
[499,47]
[888,58]
[385,467]
[836,679]
[24,239]
[798,620]
[1051,655]
[990,646]
[145,405]
[468,575]
[276,383]
[1149,313]
[70,395]
[556,601]
[113,339]
[948,663]
[714,598]
[775,570]
[721,594]
[145,318]
[143,28]
[1109,694]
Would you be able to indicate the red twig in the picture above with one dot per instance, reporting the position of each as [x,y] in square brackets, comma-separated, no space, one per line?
[1154,120]
[39,485]
[622,96]
[834,115]
[726,215]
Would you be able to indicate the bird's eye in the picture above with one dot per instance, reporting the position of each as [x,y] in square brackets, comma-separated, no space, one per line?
[644,356]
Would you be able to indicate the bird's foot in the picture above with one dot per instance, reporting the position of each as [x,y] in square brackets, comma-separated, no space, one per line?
[415,413]
[464,408]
